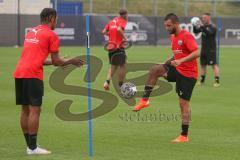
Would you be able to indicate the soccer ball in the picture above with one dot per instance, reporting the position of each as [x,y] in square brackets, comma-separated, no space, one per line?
[195,21]
[128,90]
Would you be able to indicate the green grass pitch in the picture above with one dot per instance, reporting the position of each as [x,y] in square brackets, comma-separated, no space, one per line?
[214,130]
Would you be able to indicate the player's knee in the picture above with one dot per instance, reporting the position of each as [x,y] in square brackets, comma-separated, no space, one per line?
[25,109]
[157,70]
[35,110]
[215,66]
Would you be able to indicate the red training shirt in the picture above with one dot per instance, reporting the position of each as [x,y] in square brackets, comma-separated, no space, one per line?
[38,43]
[114,35]
[182,45]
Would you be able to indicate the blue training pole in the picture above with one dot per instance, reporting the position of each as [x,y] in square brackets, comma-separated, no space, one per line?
[88,52]
[219,29]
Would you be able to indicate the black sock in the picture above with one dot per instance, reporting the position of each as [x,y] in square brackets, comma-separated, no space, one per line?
[202,78]
[184,129]
[217,79]
[120,83]
[26,135]
[147,91]
[32,144]
[108,81]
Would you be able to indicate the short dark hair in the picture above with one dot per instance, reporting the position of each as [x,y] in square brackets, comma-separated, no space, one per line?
[208,14]
[123,12]
[47,14]
[173,17]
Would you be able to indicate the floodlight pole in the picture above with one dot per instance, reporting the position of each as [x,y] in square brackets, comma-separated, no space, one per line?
[18,23]
[90,6]
[155,6]
[186,7]
[124,3]
[214,8]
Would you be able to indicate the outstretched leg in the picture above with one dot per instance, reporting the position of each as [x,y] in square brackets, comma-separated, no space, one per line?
[154,73]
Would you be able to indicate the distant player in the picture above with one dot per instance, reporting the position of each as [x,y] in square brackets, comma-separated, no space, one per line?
[181,68]
[117,58]
[208,51]
[39,42]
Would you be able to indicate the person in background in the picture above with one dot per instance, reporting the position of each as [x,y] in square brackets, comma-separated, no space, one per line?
[208,50]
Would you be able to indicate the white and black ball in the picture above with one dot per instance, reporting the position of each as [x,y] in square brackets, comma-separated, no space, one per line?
[128,90]
[195,21]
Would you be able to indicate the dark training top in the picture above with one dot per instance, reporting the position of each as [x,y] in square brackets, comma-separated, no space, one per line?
[208,38]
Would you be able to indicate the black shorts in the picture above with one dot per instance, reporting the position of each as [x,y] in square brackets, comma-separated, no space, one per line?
[117,57]
[184,85]
[29,91]
[208,58]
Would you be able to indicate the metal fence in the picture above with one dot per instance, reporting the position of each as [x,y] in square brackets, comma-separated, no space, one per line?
[161,7]
[221,8]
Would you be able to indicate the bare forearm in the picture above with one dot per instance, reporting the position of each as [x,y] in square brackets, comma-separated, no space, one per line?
[47,62]
[58,61]
[191,56]
[62,62]
[122,33]
[105,32]
[67,62]
[168,61]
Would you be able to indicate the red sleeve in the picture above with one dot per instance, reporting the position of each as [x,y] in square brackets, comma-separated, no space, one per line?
[190,43]
[54,44]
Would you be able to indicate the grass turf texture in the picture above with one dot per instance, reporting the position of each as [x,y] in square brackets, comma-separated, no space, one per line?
[214,130]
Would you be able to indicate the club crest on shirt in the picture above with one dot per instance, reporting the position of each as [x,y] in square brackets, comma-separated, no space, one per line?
[180,42]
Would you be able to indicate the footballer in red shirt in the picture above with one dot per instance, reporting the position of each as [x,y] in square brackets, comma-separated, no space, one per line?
[117,56]
[39,42]
[181,68]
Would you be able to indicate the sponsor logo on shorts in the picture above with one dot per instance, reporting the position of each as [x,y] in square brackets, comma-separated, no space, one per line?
[180,93]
